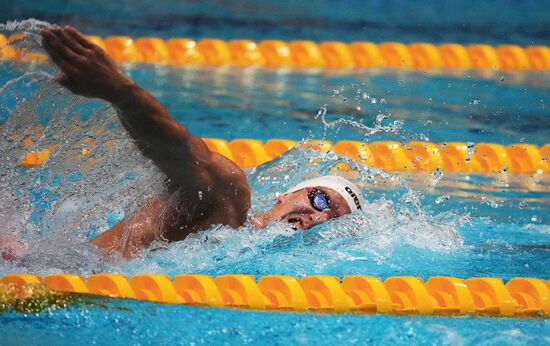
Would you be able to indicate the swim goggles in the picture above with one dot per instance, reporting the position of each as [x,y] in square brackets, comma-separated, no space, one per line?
[318,199]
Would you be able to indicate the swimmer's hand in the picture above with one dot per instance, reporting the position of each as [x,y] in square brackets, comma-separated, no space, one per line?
[86,69]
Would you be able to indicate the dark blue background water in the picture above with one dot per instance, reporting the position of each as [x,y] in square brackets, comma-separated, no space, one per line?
[468,21]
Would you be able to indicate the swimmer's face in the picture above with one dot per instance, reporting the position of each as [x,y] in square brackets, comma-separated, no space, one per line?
[297,209]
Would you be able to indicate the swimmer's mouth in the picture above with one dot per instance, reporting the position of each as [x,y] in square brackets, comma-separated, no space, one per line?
[295,222]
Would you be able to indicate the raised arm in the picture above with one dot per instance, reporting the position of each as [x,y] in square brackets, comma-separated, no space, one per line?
[87,70]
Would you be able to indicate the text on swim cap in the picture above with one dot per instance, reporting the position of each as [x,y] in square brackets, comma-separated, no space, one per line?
[355,198]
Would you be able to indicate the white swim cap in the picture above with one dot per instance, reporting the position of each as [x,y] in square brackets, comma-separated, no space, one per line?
[351,193]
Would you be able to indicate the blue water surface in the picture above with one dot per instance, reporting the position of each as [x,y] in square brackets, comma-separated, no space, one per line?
[130,322]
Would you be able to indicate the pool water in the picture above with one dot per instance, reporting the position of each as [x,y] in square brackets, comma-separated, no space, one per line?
[468,21]
[416,224]
[131,322]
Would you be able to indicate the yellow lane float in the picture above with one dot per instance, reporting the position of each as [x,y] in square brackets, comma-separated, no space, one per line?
[391,156]
[440,295]
[307,54]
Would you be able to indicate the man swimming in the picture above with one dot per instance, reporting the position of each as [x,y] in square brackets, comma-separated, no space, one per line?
[209,188]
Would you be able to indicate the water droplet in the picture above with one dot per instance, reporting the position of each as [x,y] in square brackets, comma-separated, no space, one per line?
[471,150]
[442,199]
[523,204]
[489,202]
[322,112]
[200,195]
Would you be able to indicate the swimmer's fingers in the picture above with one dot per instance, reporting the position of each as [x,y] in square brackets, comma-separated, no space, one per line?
[52,46]
[94,52]
[70,41]
[63,49]
[59,60]
[77,35]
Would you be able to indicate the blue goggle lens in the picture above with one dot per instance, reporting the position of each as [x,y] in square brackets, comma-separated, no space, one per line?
[319,201]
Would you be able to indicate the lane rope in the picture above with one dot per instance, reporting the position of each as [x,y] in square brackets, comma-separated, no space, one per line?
[460,157]
[306,54]
[440,295]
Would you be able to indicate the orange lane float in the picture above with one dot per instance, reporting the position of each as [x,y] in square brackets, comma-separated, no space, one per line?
[440,295]
[35,158]
[391,156]
[308,54]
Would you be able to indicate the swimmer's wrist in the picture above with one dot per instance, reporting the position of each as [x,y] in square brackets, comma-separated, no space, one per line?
[125,94]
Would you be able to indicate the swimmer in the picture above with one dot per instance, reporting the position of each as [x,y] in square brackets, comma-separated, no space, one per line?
[210,188]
